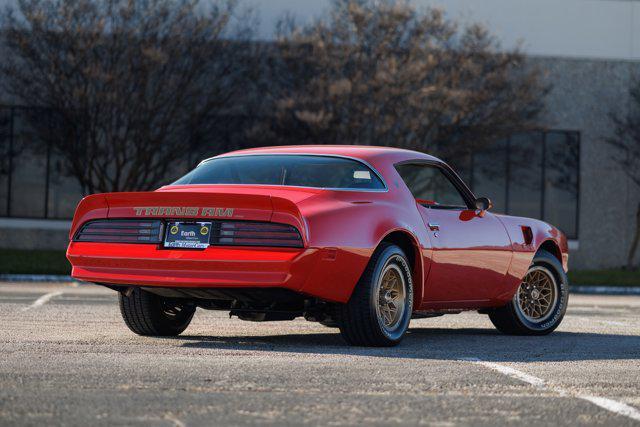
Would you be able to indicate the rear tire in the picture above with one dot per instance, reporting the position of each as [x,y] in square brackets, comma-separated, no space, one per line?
[379,310]
[539,304]
[152,315]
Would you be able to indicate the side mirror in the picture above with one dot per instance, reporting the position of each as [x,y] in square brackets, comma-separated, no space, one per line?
[483,203]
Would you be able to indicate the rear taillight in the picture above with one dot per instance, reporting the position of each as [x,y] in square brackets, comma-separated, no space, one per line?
[120,231]
[240,233]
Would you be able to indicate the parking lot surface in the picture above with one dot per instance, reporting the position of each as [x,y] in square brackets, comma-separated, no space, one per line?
[66,358]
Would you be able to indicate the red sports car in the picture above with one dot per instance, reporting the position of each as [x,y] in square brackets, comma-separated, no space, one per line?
[358,238]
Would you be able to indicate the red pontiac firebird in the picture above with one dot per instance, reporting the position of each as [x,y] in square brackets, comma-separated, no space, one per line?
[359,238]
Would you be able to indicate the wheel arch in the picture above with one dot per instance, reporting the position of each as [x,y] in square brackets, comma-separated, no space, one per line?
[552,247]
[406,241]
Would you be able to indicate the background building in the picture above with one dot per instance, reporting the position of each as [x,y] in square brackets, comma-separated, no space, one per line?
[562,173]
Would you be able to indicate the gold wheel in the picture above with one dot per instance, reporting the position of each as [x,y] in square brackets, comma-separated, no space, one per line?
[537,295]
[391,297]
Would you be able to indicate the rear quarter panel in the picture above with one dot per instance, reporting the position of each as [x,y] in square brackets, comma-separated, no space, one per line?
[347,227]
[91,207]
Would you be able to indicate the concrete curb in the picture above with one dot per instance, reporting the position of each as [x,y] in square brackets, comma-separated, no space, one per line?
[605,290]
[35,278]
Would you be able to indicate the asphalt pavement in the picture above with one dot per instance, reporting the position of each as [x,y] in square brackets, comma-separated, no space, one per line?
[66,358]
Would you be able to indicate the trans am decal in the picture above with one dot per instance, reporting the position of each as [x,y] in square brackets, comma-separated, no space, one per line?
[183,211]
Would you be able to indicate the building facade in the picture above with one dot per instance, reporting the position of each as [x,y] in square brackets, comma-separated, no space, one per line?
[563,173]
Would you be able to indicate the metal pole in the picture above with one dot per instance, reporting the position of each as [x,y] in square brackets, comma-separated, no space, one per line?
[11,119]
[543,174]
[47,171]
[507,176]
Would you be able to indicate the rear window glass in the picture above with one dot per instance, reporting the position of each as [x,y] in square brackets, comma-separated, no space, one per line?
[292,170]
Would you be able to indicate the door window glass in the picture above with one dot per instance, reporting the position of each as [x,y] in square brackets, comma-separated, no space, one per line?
[431,186]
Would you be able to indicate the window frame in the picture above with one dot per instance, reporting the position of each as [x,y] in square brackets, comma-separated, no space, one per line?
[467,195]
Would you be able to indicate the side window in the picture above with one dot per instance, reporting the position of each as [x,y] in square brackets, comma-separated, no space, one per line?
[430,185]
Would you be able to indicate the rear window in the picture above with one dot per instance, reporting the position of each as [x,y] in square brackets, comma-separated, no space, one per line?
[291,170]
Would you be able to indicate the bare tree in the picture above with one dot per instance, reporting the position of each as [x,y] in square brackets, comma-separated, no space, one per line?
[384,73]
[626,142]
[129,86]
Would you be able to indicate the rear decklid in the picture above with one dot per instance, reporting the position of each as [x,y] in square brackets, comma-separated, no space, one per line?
[242,203]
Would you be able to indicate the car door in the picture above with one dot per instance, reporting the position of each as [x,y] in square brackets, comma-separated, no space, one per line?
[471,250]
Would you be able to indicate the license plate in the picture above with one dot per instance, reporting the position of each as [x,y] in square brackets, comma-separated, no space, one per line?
[188,235]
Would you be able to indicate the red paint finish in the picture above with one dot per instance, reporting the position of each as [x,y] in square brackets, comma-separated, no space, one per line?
[471,256]
[474,260]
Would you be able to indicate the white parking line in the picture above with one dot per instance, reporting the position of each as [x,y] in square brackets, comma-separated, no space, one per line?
[603,402]
[176,422]
[43,300]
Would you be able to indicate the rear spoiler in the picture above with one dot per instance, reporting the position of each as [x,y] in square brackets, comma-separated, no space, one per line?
[233,204]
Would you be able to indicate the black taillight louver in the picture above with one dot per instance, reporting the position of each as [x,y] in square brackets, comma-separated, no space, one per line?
[121,231]
[245,233]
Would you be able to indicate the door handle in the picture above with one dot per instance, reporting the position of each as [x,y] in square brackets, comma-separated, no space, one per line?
[434,226]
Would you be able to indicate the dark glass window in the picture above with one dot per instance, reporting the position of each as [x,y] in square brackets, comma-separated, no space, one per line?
[561,181]
[490,174]
[525,175]
[64,191]
[431,186]
[33,183]
[5,163]
[29,176]
[534,174]
[287,170]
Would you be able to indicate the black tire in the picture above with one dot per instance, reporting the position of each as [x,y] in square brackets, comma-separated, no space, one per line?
[149,314]
[511,318]
[360,320]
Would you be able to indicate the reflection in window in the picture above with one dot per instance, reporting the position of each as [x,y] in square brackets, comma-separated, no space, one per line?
[5,135]
[31,176]
[430,185]
[525,175]
[489,174]
[28,180]
[561,181]
[64,191]
[534,175]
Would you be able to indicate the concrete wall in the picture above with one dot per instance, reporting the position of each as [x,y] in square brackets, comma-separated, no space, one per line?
[16,233]
[584,93]
[569,28]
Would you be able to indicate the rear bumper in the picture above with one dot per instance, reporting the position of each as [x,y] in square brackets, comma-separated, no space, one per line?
[326,273]
[137,264]
[310,271]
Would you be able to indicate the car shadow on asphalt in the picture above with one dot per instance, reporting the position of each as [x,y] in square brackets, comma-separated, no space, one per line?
[441,344]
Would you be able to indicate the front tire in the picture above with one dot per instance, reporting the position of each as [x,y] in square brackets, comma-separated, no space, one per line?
[152,315]
[379,310]
[539,304]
